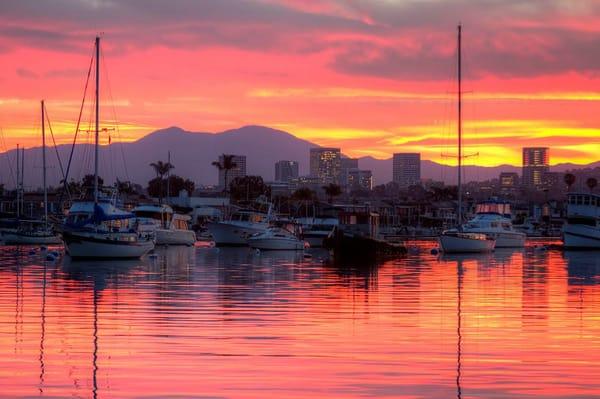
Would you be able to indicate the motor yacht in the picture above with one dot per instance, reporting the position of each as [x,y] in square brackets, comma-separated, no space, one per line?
[582,228]
[168,227]
[243,224]
[493,218]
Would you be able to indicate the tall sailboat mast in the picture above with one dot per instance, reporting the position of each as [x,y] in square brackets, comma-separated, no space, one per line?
[459,127]
[18,183]
[44,168]
[97,119]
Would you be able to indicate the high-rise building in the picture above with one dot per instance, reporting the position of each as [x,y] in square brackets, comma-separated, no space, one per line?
[347,164]
[407,169]
[360,179]
[238,171]
[535,166]
[325,163]
[286,170]
[509,182]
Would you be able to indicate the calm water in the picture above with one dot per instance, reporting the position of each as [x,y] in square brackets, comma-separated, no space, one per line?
[230,323]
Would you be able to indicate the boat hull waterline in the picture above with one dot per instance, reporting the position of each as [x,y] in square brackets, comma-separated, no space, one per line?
[91,245]
[451,243]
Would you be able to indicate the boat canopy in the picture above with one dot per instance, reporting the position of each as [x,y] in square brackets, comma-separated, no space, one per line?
[494,207]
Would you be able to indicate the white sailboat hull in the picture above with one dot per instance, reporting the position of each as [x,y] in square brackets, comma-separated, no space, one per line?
[464,244]
[98,245]
[504,239]
[174,237]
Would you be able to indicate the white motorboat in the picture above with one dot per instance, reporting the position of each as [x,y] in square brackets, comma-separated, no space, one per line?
[168,227]
[317,229]
[100,230]
[242,225]
[454,241]
[493,218]
[276,238]
[582,228]
[457,240]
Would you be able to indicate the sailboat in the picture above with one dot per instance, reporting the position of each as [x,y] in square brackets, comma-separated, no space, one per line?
[456,240]
[35,232]
[98,229]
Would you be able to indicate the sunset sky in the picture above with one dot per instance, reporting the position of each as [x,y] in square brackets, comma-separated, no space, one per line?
[370,76]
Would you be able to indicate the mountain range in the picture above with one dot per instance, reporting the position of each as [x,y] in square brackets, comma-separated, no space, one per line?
[193,152]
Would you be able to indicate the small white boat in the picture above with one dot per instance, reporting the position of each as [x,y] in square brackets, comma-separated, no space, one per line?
[276,238]
[317,229]
[168,227]
[100,230]
[454,241]
[242,225]
[582,228]
[493,218]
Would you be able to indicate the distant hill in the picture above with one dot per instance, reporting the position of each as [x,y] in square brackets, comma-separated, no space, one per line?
[192,154]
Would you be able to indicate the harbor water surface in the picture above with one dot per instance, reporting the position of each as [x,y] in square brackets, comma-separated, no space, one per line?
[233,323]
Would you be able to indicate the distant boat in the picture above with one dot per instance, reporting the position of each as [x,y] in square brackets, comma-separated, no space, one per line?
[168,227]
[243,224]
[493,218]
[276,238]
[456,240]
[35,232]
[356,238]
[97,229]
[582,228]
[316,230]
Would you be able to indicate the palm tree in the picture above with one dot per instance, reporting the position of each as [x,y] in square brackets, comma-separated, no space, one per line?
[591,182]
[304,195]
[569,180]
[225,164]
[161,168]
[332,190]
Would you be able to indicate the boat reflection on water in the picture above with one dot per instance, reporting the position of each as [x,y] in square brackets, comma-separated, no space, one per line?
[583,267]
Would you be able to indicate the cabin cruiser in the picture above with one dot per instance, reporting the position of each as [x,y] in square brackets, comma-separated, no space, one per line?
[493,218]
[97,229]
[168,227]
[317,229]
[236,231]
[277,238]
[582,228]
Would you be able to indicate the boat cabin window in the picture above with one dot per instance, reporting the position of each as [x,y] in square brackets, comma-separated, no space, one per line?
[151,215]
[586,200]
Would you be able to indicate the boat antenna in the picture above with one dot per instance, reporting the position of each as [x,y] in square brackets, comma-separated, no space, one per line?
[44,168]
[459,214]
[97,119]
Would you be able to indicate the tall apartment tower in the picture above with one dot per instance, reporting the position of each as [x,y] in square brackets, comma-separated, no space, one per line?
[286,170]
[536,163]
[325,164]
[238,171]
[407,169]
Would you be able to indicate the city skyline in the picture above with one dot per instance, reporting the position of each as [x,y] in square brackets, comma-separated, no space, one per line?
[531,72]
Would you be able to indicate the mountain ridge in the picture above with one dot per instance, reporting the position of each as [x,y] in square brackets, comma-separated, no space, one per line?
[193,152]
